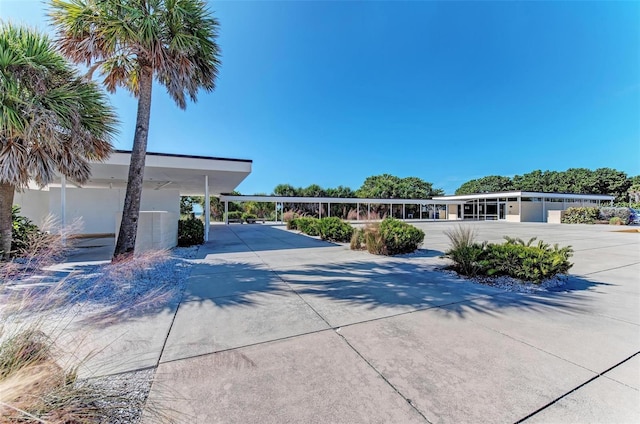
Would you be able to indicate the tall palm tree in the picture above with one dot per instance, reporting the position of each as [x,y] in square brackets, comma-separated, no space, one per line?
[51,120]
[130,42]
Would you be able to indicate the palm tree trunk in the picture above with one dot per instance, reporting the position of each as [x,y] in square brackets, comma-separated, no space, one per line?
[131,211]
[6,224]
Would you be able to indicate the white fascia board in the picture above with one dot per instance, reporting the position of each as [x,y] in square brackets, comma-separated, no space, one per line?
[354,200]
[465,197]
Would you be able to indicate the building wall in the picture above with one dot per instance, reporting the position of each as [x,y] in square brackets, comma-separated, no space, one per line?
[95,208]
[34,204]
[531,211]
[453,212]
[157,230]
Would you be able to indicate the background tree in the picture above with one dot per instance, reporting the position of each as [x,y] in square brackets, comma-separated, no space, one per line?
[52,120]
[285,190]
[131,42]
[489,184]
[388,186]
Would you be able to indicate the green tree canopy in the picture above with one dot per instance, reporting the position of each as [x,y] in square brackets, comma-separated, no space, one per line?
[489,184]
[388,186]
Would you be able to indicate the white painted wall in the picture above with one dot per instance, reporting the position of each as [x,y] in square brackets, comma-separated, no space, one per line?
[96,208]
[157,230]
[34,204]
[531,212]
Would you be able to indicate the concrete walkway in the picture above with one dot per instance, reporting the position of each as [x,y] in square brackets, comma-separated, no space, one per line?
[276,327]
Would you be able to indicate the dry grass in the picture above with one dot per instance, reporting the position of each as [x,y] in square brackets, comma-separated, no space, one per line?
[461,236]
[37,383]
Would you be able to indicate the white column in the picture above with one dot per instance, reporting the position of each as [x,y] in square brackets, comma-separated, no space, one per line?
[63,208]
[368,211]
[328,208]
[519,208]
[357,211]
[275,208]
[226,212]
[403,205]
[207,208]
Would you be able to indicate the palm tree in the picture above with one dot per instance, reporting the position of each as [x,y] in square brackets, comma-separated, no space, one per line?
[130,42]
[51,120]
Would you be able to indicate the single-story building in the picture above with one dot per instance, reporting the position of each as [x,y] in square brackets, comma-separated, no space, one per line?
[517,206]
[99,202]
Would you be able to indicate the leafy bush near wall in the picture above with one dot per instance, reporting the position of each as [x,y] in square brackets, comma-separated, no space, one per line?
[616,221]
[334,229]
[190,232]
[389,237]
[22,230]
[586,215]
[514,258]
[308,225]
[607,213]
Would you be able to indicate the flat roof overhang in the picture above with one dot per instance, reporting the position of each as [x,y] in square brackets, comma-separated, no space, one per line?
[350,200]
[573,196]
[169,171]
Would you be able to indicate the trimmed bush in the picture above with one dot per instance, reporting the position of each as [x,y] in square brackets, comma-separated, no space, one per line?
[400,237]
[308,225]
[608,213]
[249,217]
[234,215]
[616,221]
[587,215]
[514,258]
[389,237]
[292,224]
[334,229]
[190,232]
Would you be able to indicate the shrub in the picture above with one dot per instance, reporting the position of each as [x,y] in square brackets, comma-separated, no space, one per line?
[334,229]
[586,215]
[616,221]
[190,232]
[623,214]
[235,215]
[308,225]
[400,237]
[249,217]
[514,258]
[22,231]
[292,224]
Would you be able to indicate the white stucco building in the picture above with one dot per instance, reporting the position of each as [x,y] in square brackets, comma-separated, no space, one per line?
[99,202]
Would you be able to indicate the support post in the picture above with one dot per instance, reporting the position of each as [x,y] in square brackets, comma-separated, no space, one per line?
[207,208]
[368,211]
[328,208]
[357,211]
[226,212]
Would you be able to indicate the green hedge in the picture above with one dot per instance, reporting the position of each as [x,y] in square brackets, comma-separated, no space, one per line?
[527,262]
[307,225]
[586,215]
[389,237]
[190,232]
[334,229]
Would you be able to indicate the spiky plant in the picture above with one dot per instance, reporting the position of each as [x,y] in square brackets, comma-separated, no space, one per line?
[131,42]
[51,120]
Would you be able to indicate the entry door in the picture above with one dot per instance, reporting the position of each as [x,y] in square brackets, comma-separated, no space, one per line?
[502,207]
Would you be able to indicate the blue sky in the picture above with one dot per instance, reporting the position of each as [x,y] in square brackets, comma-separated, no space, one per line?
[333,92]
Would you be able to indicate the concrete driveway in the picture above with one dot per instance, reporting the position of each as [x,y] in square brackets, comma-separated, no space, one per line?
[277,327]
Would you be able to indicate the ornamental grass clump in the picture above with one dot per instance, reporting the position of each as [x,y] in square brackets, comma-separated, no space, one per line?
[41,346]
